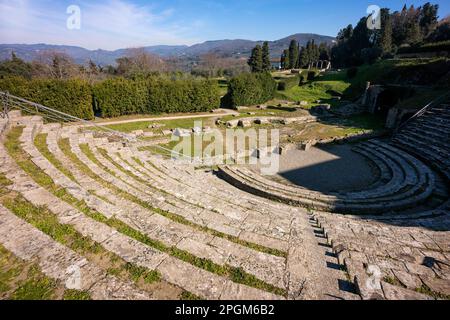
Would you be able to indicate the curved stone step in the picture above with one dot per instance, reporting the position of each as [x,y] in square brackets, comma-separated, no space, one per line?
[278,192]
[226,224]
[264,266]
[201,283]
[59,262]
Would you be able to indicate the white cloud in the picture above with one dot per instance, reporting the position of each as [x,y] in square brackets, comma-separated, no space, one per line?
[110,24]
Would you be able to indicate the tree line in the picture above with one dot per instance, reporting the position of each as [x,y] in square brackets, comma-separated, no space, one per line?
[296,57]
[136,62]
[410,27]
[259,60]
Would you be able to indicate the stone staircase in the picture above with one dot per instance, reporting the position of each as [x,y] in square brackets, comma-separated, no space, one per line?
[393,258]
[428,138]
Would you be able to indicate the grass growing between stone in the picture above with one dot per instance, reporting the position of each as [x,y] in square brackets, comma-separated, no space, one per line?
[436,295]
[21,280]
[65,147]
[22,159]
[41,144]
[186,295]
[35,287]
[47,222]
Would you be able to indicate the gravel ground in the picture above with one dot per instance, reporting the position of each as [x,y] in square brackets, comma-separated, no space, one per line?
[327,169]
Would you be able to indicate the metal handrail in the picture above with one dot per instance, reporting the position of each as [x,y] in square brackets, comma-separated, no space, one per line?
[61,115]
[11,101]
[423,110]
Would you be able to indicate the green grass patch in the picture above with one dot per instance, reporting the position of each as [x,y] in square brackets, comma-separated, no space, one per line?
[71,294]
[4,182]
[421,98]
[185,123]
[186,295]
[36,287]
[40,142]
[394,71]
[64,145]
[47,222]
[436,295]
[10,269]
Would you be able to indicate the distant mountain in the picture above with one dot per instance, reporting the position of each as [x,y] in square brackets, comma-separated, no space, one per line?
[227,48]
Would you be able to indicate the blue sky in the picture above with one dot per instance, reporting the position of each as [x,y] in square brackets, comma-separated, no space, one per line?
[112,24]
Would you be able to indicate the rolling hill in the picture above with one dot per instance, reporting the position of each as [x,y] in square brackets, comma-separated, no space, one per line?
[227,48]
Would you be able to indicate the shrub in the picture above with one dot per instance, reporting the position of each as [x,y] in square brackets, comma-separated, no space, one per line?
[288,83]
[183,96]
[429,47]
[352,72]
[250,89]
[303,77]
[69,96]
[370,55]
[312,75]
[119,96]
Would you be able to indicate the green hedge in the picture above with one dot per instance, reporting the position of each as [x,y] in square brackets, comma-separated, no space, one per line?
[429,47]
[289,83]
[117,96]
[70,96]
[183,96]
[250,89]
[120,96]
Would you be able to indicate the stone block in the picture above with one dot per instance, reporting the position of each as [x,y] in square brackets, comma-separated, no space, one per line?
[392,292]
[441,286]
[244,123]
[138,133]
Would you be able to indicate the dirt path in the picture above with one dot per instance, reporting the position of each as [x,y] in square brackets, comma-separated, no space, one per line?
[210,115]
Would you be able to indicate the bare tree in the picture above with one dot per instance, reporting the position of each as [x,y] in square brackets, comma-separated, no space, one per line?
[210,62]
[54,64]
[138,60]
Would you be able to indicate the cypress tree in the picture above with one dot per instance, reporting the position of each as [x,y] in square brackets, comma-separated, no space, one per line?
[303,57]
[266,65]
[386,32]
[293,54]
[256,59]
[428,18]
[285,59]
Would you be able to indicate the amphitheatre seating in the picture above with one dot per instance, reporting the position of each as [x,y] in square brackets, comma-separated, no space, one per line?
[270,241]
[404,182]
[251,222]
[166,231]
[428,138]
[54,259]
[405,253]
[233,223]
[185,275]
